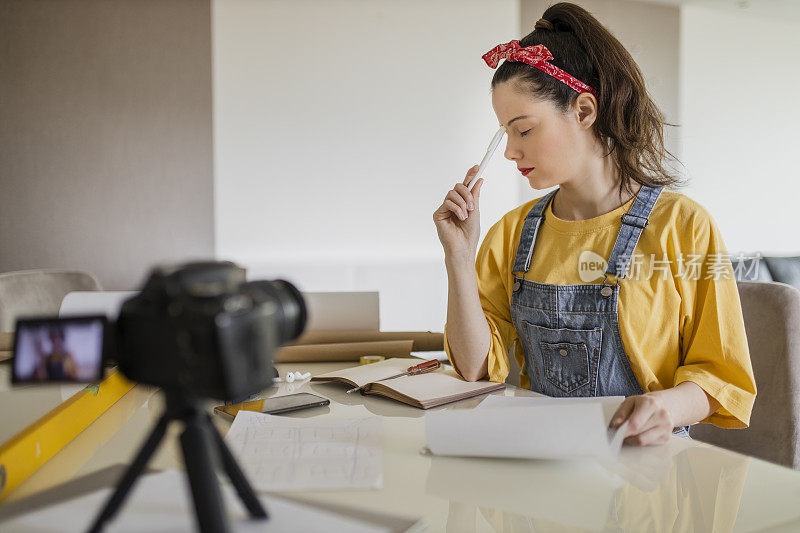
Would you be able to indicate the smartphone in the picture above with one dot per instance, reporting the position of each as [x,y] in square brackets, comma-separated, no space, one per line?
[274,405]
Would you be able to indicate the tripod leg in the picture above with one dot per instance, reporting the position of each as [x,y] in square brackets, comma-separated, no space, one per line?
[197,447]
[131,475]
[237,477]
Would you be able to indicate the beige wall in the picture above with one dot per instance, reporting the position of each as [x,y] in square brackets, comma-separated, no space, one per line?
[740,135]
[105,135]
[331,153]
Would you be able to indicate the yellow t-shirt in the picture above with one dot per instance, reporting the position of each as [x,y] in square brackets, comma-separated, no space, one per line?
[679,312]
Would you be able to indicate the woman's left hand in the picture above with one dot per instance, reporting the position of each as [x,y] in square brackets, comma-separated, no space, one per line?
[649,421]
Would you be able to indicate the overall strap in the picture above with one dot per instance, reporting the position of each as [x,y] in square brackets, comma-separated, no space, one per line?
[633,222]
[530,228]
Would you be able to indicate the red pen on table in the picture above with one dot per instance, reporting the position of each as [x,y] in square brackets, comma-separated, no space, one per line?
[422,368]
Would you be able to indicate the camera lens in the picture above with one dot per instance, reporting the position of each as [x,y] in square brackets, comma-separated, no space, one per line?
[291,306]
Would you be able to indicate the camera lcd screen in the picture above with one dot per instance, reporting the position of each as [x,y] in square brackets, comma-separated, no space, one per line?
[58,350]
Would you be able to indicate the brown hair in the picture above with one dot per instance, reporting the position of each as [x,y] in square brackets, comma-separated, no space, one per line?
[628,122]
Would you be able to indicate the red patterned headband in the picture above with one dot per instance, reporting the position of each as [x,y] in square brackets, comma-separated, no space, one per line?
[535,56]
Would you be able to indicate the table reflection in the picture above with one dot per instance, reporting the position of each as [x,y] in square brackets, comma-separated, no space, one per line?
[677,487]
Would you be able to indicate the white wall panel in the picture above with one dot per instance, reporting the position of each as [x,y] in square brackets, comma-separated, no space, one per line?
[340,126]
[739,117]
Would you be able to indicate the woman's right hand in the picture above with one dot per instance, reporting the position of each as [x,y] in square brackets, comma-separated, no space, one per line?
[458,220]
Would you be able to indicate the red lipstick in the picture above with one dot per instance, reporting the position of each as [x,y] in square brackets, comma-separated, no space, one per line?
[525,171]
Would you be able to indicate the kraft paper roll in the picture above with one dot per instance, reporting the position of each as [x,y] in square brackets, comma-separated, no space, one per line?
[424,341]
[346,351]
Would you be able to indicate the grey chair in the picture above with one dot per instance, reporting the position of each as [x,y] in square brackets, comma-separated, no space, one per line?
[780,269]
[772,321]
[38,292]
[784,270]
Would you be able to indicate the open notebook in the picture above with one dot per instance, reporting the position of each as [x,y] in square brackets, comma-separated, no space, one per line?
[423,390]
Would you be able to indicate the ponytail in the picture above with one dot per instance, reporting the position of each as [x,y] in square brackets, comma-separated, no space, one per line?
[629,124]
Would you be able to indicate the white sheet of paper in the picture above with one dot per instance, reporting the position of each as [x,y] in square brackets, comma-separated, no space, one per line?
[342,311]
[542,429]
[291,454]
[440,355]
[162,502]
[609,403]
[105,303]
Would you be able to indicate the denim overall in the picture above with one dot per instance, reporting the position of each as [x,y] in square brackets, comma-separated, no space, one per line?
[570,333]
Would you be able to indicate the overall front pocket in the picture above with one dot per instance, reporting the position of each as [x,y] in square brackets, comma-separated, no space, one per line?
[569,356]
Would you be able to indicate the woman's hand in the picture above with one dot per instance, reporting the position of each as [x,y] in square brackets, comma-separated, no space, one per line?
[457,219]
[649,420]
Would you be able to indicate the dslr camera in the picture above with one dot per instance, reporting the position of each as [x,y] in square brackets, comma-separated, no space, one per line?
[197,329]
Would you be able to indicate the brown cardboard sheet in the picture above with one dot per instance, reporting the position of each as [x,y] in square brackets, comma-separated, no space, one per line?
[424,341]
[344,351]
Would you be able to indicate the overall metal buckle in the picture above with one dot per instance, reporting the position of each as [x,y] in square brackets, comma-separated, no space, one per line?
[517,284]
[607,290]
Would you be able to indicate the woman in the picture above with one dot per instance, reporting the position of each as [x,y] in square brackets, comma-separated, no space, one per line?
[59,363]
[628,290]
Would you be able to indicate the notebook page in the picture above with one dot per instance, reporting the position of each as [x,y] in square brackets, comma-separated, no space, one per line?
[363,374]
[434,385]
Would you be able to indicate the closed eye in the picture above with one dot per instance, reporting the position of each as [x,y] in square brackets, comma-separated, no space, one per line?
[524,133]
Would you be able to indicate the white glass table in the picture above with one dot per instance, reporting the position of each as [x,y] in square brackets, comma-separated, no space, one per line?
[684,485]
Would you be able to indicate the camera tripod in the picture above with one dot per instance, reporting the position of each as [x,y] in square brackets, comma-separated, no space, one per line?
[202,448]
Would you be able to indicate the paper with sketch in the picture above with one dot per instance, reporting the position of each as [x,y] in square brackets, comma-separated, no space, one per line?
[547,430]
[285,454]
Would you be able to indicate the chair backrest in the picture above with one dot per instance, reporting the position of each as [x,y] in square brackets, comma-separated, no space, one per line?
[38,292]
[784,269]
[771,313]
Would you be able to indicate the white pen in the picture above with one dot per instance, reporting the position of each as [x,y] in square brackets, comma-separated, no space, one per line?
[489,151]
